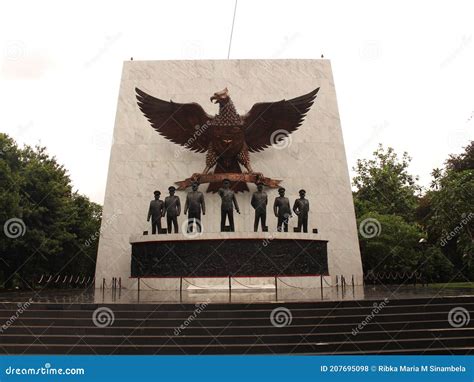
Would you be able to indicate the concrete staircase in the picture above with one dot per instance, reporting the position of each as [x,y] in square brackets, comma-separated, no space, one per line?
[408,326]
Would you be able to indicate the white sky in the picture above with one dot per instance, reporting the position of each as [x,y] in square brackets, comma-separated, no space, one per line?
[404,70]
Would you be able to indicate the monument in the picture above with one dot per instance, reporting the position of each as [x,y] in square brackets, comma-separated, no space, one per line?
[276,127]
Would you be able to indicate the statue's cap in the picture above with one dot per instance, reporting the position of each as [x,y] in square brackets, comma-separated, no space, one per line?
[171,188]
[226,180]
[157,192]
[302,190]
[281,189]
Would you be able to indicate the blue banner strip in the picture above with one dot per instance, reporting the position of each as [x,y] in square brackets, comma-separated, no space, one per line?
[237,368]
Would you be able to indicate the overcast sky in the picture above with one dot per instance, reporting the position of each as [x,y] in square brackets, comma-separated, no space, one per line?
[404,70]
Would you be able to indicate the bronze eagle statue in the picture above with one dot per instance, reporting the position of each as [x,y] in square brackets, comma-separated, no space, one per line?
[227,137]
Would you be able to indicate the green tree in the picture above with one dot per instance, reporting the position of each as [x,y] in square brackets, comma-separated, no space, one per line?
[37,191]
[384,185]
[387,195]
[447,211]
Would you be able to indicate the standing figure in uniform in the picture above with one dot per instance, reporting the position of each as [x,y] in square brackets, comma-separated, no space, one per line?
[194,205]
[227,205]
[259,203]
[172,209]
[282,210]
[155,212]
[301,209]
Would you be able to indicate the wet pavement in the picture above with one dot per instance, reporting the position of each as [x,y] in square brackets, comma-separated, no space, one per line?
[124,296]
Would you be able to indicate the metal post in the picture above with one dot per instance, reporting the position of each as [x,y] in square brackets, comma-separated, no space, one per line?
[276,288]
[138,289]
[321,281]
[180,289]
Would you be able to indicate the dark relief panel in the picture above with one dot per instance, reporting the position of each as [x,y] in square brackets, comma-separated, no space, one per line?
[238,257]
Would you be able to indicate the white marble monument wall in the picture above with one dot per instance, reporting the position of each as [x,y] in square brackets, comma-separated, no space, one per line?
[142,161]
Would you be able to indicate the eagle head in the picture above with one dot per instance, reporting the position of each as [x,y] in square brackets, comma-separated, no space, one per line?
[221,97]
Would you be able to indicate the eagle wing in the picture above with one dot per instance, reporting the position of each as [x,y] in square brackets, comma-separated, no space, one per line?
[271,121]
[181,123]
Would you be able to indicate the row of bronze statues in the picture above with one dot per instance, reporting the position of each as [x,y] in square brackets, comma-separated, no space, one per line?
[195,205]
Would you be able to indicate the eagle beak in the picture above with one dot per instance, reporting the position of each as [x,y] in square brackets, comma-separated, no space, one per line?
[214,98]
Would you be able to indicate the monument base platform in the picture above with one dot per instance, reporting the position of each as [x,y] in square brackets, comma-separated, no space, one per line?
[229,260]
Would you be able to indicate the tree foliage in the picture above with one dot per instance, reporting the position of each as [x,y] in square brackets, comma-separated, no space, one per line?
[432,232]
[36,191]
[384,185]
[446,211]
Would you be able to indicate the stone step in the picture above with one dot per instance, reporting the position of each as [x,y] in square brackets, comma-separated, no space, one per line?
[244,347]
[185,339]
[235,321]
[208,312]
[164,306]
[323,327]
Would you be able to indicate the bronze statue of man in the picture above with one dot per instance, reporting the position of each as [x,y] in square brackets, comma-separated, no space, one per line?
[301,209]
[227,206]
[259,203]
[194,205]
[282,210]
[155,212]
[172,209]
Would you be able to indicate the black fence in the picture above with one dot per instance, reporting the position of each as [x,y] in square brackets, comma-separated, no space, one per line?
[64,281]
[398,278]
